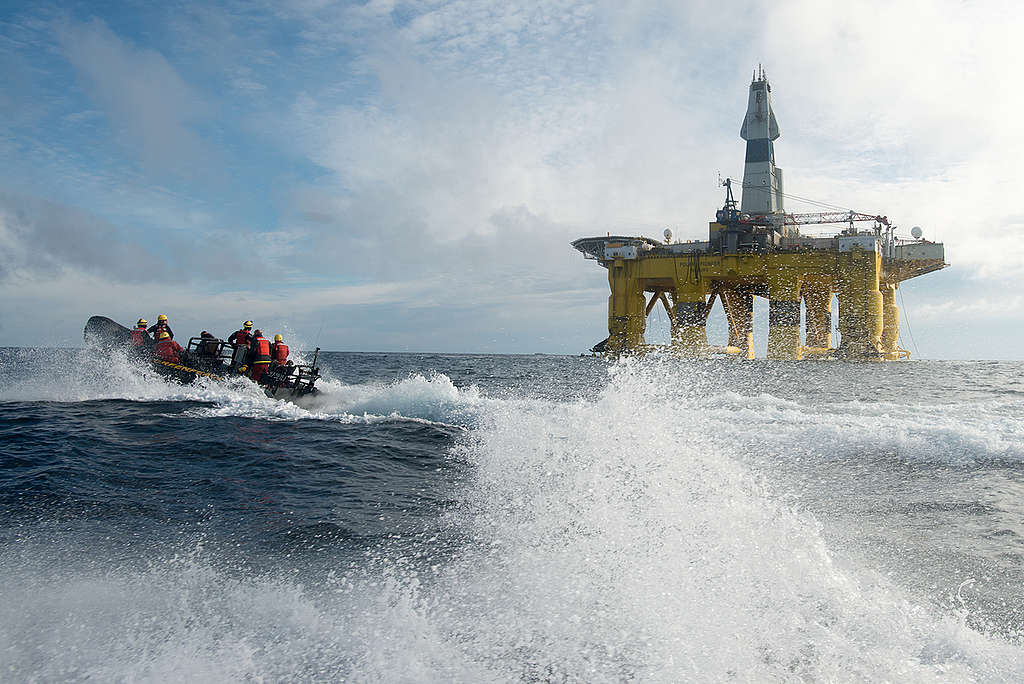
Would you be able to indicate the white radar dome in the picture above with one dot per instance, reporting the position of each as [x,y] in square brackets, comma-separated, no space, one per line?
[916,232]
[668,235]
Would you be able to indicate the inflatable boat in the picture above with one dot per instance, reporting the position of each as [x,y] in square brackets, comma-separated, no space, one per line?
[208,357]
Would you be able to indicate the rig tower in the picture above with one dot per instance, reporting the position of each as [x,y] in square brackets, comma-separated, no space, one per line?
[757,250]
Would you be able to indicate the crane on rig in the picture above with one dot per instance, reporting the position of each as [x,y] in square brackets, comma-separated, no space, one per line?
[741,230]
[730,214]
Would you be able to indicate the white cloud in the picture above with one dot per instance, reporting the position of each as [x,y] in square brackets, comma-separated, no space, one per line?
[910,112]
[465,143]
[145,99]
[977,307]
[599,117]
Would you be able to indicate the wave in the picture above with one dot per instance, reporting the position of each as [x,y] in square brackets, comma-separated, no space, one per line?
[621,538]
[942,434]
[432,399]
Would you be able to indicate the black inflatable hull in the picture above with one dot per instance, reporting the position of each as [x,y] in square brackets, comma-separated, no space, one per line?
[105,333]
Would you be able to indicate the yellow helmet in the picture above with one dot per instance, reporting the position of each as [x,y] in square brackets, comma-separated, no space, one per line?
[278,338]
[247,324]
[163,336]
[161,317]
[141,321]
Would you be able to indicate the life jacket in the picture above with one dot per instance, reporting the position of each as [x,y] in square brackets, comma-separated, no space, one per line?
[159,328]
[241,337]
[260,350]
[167,350]
[139,337]
[279,352]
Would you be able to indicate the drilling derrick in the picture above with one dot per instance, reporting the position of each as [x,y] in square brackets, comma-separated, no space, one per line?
[756,250]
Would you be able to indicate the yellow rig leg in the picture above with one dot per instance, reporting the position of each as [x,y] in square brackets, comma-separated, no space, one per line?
[784,318]
[690,337]
[626,309]
[890,321]
[818,301]
[860,305]
[739,310]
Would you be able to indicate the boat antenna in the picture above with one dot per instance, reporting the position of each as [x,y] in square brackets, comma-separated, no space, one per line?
[317,343]
[317,340]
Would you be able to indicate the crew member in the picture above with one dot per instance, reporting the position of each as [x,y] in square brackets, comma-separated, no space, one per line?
[161,326]
[259,355]
[208,344]
[279,350]
[241,338]
[139,336]
[167,349]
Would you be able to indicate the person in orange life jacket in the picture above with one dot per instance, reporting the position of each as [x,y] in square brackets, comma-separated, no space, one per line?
[240,338]
[279,350]
[259,355]
[167,349]
[161,326]
[139,336]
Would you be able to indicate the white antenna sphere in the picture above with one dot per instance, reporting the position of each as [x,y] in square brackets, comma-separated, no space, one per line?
[916,232]
[668,235]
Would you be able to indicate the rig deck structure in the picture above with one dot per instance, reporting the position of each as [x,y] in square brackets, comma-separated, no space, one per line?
[757,250]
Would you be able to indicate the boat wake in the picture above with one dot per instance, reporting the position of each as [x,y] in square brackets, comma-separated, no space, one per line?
[417,398]
[78,376]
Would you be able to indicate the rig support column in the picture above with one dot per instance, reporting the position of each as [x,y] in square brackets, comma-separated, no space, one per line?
[784,317]
[739,311]
[818,302]
[860,305]
[890,321]
[626,308]
[690,336]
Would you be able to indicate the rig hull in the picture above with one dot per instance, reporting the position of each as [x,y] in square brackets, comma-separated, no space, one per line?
[642,274]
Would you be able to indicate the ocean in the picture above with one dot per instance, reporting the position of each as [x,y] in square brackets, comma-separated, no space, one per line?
[471,518]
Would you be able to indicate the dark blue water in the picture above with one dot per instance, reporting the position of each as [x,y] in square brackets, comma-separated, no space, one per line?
[513,518]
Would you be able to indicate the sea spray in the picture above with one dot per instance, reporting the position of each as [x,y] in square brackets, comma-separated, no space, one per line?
[620,539]
[669,522]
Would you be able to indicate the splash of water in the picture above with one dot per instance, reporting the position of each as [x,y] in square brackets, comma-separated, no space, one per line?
[625,538]
[62,376]
[617,540]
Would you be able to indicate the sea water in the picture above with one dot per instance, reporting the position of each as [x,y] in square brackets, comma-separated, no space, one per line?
[465,518]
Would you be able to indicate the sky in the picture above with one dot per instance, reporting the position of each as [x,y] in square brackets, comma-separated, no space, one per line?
[407,176]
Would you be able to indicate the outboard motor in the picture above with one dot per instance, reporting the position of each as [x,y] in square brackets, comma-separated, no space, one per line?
[238,357]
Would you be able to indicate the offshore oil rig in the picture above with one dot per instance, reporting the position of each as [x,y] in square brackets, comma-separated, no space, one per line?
[756,249]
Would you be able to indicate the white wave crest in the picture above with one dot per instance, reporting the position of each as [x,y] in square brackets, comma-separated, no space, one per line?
[621,540]
[433,399]
[76,376]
